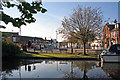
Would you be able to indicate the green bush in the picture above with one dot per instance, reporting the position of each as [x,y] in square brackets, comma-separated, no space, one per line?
[10,49]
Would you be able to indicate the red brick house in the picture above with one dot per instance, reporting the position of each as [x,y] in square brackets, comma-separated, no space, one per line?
[110,35]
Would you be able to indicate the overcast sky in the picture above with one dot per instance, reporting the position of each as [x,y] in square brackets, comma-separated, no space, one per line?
[47,24]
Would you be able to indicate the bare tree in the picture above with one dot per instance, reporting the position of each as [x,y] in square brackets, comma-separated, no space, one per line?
[84,25]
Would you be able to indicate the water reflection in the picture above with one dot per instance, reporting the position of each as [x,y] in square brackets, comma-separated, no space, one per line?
[84,66]
[37,68]
[9,65]
[112,70]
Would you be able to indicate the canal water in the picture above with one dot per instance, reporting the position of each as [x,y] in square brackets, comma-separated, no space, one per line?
[38,68]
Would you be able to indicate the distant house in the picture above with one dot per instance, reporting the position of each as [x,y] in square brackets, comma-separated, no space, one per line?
[23,40]
[11,35]
[110,32]
[97,44]
[28,38]
[65,44]
[16,38]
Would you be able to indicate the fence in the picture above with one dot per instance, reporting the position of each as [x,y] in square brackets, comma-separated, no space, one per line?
[67,50]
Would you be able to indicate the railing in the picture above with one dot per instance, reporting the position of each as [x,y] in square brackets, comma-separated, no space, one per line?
[66,50]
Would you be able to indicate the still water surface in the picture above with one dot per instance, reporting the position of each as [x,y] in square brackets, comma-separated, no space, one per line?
[38,68]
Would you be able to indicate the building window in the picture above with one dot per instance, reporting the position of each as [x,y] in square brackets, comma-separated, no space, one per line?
[106,30]
[111,34]
[105,44]
[14,39]
[106,35]
[116,41]
[116,34]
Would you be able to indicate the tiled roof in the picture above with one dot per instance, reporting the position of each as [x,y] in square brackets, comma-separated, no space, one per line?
[111,26]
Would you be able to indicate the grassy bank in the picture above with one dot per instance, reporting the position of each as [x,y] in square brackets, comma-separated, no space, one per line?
[56,55]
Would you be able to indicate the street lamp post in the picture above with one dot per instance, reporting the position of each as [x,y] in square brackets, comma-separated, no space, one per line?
[115,21]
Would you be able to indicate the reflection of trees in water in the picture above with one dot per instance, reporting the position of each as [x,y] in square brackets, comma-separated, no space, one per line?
[5,73]
[8,65]
[72,74]
[15,64]
[82,65]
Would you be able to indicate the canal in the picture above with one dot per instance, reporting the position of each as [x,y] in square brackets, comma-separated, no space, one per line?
[40,68]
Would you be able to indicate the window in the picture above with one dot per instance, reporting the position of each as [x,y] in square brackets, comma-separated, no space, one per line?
[106,29]
[111,34]
[116,34]
[14,39]
[106,35]
[105,44]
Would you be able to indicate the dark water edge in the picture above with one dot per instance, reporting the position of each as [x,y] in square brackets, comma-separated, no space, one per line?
[53,58]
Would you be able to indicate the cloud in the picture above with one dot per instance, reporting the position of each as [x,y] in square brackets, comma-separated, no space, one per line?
[56,17]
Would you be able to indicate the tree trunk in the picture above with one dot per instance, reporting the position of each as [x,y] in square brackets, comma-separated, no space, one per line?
[84,48]
[85,76]
[71,48]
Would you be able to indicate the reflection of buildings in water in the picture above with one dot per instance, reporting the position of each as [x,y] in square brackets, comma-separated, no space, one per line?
[20,73]
[112,70]
[25,67]
[34,67]
[63,62]
[30,67]
[59,63]
[48,62]
[30,64]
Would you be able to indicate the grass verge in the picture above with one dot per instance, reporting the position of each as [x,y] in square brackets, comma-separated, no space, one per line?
[56,55]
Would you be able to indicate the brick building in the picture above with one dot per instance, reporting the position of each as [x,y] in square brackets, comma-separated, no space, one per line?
[16,38]
[110,37]
[23,40]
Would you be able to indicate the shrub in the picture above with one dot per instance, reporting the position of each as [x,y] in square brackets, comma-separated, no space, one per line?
[10,49]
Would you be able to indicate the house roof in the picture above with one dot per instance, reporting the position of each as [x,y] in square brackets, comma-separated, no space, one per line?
[111,26]
[29,38]
[10,33]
